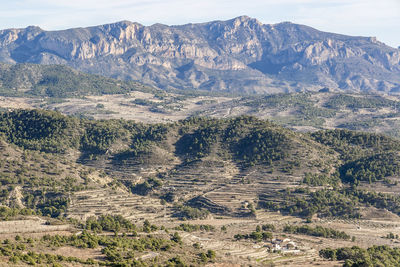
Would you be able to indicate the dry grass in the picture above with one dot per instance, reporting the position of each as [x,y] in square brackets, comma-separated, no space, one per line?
[33,225]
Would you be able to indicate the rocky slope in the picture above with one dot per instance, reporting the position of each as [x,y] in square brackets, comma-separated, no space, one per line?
[238,55]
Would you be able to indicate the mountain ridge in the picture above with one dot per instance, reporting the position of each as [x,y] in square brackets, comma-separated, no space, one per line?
[237,55]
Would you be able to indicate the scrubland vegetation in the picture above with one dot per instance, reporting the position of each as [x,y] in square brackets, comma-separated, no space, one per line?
[48,158]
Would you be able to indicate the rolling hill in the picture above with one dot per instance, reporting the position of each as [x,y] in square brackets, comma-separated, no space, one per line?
[112,192]
[59,81]
[202,162]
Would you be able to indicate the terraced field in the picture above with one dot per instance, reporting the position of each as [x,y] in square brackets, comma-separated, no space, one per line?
[225,171]
[85,204]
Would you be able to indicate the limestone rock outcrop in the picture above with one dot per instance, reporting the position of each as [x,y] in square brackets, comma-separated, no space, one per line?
[238,55]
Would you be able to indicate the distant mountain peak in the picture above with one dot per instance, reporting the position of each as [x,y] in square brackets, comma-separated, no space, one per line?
[124,22]
[237,55]
[34,28]
[244,18]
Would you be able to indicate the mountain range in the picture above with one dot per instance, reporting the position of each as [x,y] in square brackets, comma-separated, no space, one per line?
[240,55]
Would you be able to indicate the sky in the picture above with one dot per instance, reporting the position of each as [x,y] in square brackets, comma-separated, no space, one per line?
[378,18]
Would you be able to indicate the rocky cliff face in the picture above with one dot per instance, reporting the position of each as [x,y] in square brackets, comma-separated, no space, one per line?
[238,55]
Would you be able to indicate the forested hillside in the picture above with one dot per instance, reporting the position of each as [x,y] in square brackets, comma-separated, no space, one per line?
[339,158]
[59,81]
[70,169]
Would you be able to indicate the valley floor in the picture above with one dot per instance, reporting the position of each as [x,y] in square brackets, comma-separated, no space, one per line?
[229,251]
